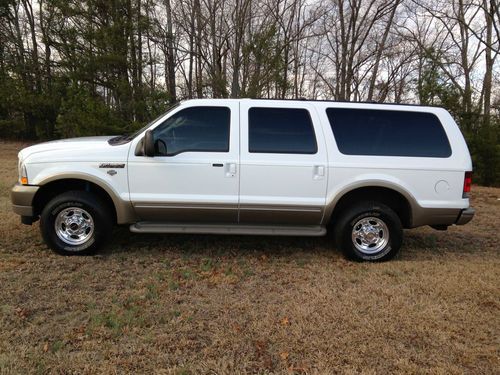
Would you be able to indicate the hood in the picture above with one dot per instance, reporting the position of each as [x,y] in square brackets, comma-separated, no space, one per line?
[72,149]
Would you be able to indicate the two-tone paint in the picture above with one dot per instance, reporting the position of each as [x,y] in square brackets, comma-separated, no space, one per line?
[239,188]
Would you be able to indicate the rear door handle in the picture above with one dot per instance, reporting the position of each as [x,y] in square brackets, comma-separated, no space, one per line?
[217,165]
[230,169]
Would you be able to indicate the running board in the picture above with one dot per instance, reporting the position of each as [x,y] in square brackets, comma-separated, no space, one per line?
[260,230]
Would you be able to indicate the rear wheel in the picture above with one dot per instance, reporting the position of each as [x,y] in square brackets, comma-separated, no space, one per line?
[369,231]
[76,223]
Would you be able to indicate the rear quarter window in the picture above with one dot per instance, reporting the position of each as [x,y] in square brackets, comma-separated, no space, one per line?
[388,133]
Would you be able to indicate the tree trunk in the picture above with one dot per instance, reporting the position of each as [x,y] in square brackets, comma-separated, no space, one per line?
[170,68]
[488,75]
[380,51]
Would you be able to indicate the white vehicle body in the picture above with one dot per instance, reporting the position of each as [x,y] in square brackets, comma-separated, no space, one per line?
[238,191]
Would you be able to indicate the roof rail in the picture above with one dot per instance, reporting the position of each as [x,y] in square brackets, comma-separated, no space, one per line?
[347,101]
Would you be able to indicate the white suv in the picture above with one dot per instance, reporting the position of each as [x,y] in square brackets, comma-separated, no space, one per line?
[243,166]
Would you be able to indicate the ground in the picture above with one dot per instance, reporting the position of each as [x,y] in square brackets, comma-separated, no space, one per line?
[180,304]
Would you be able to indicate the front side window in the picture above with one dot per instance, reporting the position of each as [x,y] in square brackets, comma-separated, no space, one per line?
[198,129]
[388,133]
[281,131]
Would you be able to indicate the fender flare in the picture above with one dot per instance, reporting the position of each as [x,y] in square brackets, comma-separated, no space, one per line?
[124,211]
[376,183]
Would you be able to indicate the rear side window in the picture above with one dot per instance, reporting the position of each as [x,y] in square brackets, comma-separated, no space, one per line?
[281,131]
[388,133]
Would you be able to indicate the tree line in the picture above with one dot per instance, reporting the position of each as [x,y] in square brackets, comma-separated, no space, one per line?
[85,67]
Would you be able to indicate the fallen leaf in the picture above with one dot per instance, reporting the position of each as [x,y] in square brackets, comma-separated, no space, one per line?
[80,329]
[284,356]
[285,321]
[22,313]
[46,347]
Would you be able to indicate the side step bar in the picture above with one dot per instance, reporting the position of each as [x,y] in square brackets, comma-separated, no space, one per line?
[156,227]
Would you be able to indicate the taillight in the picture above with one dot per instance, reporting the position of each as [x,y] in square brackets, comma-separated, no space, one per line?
[467,184]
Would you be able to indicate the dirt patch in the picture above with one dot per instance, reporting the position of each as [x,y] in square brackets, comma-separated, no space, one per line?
[182,304]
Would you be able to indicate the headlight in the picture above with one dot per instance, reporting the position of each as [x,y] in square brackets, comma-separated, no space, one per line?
[23,175]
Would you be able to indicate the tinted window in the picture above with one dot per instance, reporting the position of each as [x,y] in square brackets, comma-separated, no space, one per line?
[281,130]
[194,129]
[389,133]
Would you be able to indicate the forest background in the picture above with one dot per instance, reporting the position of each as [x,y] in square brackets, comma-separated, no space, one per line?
[89,67]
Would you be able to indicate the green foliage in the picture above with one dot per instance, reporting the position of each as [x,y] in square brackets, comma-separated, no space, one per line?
[89,74]
[434,88]
[482,136]
[11,120]
[266,53]
[484,144]
[26,113]
[93,86]
[83,114]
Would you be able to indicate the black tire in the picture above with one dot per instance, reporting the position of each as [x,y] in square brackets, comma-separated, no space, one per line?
[87,204]
[374,215]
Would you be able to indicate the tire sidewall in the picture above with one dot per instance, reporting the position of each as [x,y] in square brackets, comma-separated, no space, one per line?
[48,219]
[384,214]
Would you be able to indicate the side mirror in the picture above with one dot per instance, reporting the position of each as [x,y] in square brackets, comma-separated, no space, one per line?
[149,144]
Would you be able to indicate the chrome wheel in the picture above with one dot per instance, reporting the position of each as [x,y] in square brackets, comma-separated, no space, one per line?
[74,226]
[370,235]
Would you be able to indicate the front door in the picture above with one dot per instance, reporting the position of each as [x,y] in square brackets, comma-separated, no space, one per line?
[194,175]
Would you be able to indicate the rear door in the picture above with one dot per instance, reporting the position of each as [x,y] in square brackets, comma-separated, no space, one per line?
[283,163]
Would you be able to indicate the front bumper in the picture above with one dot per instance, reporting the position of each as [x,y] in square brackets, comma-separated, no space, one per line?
[21,197]
[465,216]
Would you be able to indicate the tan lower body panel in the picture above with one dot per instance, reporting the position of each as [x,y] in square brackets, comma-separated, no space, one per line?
[156,227]
[434,216]
[280,215]
[228,213]
[184,213]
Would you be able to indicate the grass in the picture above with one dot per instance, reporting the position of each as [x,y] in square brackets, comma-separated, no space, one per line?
[180,304]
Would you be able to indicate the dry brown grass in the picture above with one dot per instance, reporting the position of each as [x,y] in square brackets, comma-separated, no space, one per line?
[210,304]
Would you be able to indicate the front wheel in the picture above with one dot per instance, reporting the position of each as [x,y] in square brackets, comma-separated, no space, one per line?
[76,223]
[369,231]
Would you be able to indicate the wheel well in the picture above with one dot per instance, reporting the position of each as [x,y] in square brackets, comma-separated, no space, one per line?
[389,197]
[54,188]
